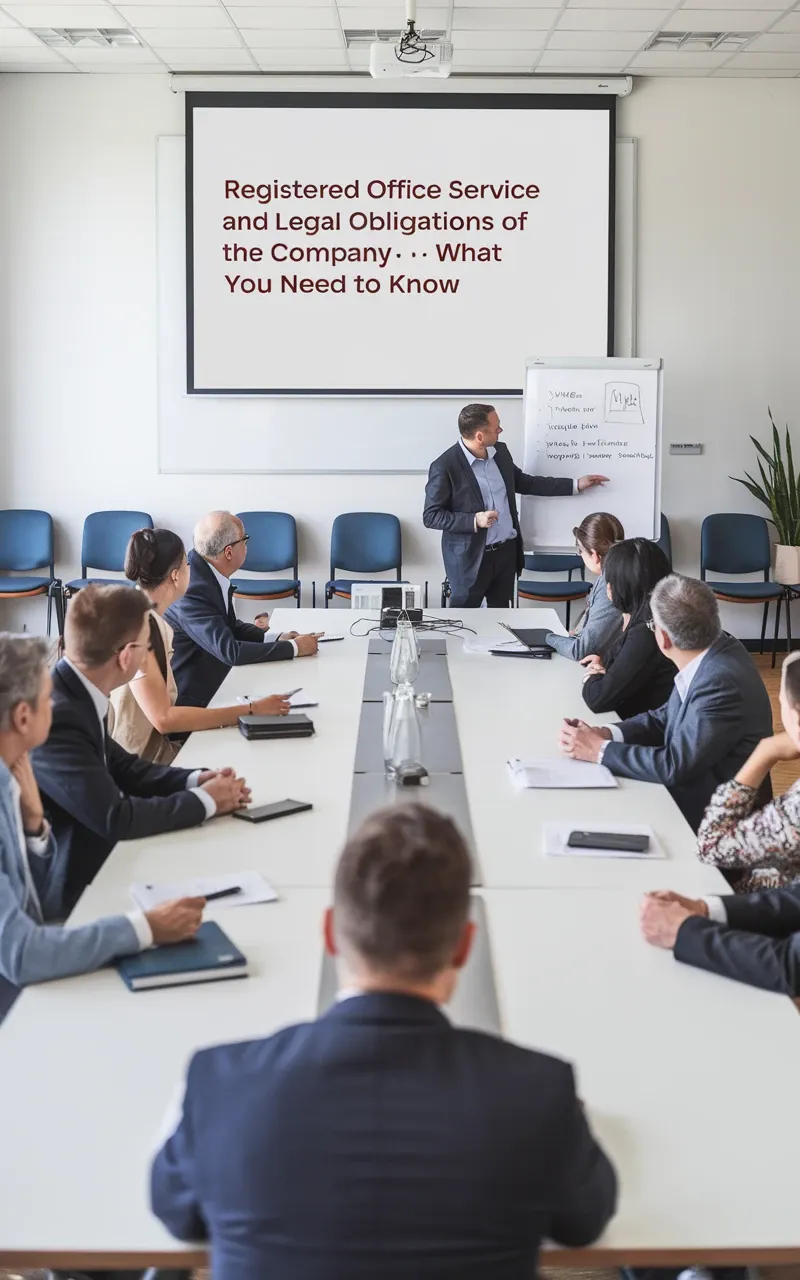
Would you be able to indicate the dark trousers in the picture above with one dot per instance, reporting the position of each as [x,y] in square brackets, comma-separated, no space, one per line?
[495,581]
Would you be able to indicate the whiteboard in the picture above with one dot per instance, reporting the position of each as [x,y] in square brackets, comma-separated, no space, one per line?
[336,435]
[593,416]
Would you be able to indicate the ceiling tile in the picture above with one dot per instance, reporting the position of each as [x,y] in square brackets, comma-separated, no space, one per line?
[672,73]
[190,37]
[481,4]
[18,38]
[171,15]
[72,15]
[612,19]
[751,74]
[301,57]
[109,58]
[264,38]
[669,59]
[493,58]
[573,60]
[207,59]
[785,43]
[30,54]
[5,21]
[768,61]
[617,40]
[617,4]
[36,68]
[385,16]
[766,5]
[314,17]
[790,23]
[500,69]
[721,20]
[533,18]
[498,39]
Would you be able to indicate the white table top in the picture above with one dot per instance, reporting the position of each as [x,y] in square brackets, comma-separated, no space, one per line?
[689,1080]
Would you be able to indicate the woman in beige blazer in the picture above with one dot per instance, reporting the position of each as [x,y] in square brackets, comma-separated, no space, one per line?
[144,710]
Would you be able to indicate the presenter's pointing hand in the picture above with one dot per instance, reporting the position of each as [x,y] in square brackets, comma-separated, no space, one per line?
[589,482]
[485,519]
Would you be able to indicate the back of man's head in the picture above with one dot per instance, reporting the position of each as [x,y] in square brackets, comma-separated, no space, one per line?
[686,609]
[401,896]
[214,532]
[101,621]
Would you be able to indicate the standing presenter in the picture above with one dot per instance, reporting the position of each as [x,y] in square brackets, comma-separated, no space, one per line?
[470,496]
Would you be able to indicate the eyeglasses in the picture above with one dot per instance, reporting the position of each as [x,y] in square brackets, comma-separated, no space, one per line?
[245,540]
[651,624]
[135,644]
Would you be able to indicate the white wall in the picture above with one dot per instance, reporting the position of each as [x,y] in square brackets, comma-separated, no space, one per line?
[719,300]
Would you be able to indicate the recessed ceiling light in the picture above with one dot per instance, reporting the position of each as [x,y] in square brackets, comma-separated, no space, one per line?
[689,41]
[81,37]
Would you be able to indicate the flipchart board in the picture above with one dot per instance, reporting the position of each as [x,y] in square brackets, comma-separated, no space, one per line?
[598,416]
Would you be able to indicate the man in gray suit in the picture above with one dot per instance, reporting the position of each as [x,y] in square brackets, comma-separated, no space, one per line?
[718,711]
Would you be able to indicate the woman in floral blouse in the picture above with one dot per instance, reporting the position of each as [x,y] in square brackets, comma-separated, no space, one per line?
[760,847]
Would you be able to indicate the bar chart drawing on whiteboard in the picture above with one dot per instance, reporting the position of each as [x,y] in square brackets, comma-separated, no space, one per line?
[623,403]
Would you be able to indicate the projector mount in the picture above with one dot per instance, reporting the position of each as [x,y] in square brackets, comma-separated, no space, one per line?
[411,48]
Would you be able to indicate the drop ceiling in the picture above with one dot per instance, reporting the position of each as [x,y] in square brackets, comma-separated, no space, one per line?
[514,37]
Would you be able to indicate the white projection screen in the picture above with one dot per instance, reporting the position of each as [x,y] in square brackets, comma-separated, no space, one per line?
[359,244]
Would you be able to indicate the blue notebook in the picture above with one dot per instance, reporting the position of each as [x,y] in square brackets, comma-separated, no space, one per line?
[208,957]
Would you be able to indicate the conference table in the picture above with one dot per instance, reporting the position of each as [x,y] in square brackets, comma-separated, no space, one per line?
[689,1080]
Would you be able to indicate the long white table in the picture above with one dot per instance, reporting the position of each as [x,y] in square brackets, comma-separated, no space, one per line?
[690,1081]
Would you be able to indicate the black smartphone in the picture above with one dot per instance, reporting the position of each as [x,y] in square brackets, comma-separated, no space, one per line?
[613,840]
[264,812]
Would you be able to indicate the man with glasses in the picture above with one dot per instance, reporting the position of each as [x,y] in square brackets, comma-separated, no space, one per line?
[209,639]
[94,793]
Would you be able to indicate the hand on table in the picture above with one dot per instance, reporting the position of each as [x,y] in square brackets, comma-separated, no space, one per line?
[580,741]
[307,645]
[662,914]
[277,704]
[589,482]
[30,802]
[485,519]
[175,921]
[594,665]
[262,620]
[288,635]
[227,791]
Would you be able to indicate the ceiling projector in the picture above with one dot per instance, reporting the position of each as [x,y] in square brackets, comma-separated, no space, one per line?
[411,55]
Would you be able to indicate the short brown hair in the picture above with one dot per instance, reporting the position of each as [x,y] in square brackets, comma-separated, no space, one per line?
[598,533]
[102,620]
[472,417]
[401,894]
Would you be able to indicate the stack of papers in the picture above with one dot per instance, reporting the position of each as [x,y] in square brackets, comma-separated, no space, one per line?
[556,834]
[560,772]
[254,889]
[482,644]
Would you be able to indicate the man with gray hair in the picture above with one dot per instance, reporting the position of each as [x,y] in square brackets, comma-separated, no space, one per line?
[717,713]
[31,872]
[209,638]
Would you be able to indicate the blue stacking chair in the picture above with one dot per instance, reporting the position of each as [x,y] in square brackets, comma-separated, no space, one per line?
[27,542]
[563,590]
[364,542]
[105,540]
[272,546]
[664,540]
[733,543]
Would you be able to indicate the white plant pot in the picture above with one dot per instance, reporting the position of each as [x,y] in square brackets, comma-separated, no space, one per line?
[786,564]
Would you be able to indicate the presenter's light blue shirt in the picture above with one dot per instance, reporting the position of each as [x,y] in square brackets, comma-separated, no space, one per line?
[494,494]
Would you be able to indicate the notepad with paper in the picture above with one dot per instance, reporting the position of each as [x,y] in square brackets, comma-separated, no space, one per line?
[556,834]
[559,772]
[254,889]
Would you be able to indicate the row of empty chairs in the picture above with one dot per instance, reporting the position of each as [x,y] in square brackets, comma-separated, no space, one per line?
[364,542]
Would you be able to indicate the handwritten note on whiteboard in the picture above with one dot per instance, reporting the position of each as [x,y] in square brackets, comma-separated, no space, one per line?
[599,420]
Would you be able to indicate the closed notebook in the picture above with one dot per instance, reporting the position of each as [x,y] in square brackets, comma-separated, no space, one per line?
[291,726]
[209,956]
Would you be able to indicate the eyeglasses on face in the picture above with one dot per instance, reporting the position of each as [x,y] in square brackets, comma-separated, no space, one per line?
[236,541]
[136,644]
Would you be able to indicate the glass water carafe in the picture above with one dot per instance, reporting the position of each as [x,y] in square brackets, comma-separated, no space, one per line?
[404,661]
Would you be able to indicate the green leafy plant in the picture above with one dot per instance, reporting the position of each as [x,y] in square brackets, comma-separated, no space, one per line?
[780,486]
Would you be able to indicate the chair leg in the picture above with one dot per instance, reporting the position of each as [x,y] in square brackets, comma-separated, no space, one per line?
[49,612]
[313,593]
[788,621]
[567,615]
[764,625]
[299,591]
[778,603]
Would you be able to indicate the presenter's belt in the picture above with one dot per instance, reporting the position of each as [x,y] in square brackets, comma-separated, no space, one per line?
[495,546]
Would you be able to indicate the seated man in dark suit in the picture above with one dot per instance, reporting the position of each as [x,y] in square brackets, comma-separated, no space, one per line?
[752,938]
[471,496]
[380,1141]
[718,711]
[209,639]
[95,793]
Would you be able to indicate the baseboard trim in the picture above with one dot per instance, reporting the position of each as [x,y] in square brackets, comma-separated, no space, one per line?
[753,646]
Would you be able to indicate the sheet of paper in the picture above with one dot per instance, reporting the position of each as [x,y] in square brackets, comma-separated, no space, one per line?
[560,772]
[299,698]
[556,834]
[482,644]
[253,886]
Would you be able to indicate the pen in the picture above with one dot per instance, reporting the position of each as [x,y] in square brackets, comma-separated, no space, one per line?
[222,893]
[291,693]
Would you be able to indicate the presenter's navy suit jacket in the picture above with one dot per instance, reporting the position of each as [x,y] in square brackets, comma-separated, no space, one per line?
[210,639]
[453,499]
[381,1142]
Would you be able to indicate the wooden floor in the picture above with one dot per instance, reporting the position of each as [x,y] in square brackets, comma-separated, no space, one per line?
[782,778]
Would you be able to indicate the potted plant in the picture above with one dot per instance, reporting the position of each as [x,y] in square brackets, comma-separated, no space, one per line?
[780,492]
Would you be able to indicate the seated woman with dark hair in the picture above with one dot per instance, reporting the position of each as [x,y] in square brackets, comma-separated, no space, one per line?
[600,623]
[636,676]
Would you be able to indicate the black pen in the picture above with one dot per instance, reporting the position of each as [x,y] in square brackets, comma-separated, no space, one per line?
[221,893]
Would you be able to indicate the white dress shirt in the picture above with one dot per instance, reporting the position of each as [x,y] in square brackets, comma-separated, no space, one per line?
[716,909]
[683,681]
[224,585]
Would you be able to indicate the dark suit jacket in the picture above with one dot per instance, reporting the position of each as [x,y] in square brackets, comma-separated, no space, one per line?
[381,1142]
[760,944]
[638,677]
[210,639]
[453,499]
[692,746]
[95,793]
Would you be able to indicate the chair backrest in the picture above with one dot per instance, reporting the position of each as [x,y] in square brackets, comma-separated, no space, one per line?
[366,542]
[664,540]
[105,538]
[273,540]
[540,562]
[26,540]
[734,543]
